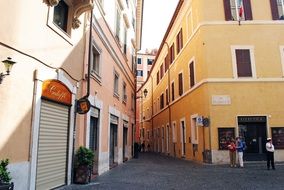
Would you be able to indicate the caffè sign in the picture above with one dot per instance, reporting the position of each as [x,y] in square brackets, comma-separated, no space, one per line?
[57,91]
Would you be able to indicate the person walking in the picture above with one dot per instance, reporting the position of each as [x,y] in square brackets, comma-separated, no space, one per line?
[232,153]
[270,154]
[240,151]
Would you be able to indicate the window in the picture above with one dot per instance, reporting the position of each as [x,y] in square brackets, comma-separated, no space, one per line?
[237,10]
[191,74]
[139,61]
[116,79]
[166,63]
[277,9]
[173,91]
[162,101]
[243,63]
[194,130]
[132,101]
[96,61]
[158,77]
[172,53]
[124,95]
[139,73]
[117,29]
[162,70]
[150,61]
[167,96]
[174,132]
[60,17]
[125,40]
[180,84]
[179,41]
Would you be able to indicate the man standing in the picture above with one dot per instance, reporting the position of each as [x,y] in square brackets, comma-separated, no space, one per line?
[240,151]
[270,154]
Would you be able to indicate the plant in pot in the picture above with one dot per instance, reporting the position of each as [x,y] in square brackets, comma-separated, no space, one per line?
[83,164]
[5,176]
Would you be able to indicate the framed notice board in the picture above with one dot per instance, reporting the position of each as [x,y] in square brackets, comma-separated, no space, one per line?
[224,137]
[278,137]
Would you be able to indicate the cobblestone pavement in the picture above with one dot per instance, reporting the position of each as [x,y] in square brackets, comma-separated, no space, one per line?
[153,172]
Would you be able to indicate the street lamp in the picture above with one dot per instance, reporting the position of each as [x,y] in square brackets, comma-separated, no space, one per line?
[8,63]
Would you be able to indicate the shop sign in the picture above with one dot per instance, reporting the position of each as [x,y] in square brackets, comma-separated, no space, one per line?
[252,119]
[57,91]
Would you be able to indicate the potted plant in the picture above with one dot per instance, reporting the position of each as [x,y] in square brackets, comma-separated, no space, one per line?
[5,176]
[83,164]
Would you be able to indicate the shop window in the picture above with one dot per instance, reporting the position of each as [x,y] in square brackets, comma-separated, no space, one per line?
[278,137]
[224,137]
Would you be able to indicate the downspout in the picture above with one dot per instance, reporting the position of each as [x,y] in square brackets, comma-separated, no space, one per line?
[169,89]
[86,96]
[89,56]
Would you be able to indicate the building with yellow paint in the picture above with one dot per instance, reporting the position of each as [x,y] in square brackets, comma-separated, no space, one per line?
[218,74]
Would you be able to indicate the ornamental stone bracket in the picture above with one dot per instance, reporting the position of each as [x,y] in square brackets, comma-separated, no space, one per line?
[78,6]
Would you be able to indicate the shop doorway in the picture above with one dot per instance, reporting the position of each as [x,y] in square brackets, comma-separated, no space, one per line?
[112,144]
[253,130]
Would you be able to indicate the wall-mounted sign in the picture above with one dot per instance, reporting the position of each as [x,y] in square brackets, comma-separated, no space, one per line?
[199,121]
[57,91]
[83,105]
[221,100]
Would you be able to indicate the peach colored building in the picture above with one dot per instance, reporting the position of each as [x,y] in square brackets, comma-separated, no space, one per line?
[110,124]
[218,74]
[49,40]
[144,65]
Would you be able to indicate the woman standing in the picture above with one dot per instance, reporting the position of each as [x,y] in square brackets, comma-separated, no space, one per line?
[232,153]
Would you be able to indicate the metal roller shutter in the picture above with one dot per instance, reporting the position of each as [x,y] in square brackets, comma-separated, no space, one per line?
[52,146]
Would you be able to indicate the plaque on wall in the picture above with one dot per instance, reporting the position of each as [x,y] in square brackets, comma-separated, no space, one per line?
[224,137]
[278,137]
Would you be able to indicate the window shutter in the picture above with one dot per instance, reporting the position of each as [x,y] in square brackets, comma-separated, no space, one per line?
[180,84]
[274,10]
[247,9]
[191,70]
[227,10]
[243,63]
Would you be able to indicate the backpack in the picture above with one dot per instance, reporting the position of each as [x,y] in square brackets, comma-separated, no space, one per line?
[244,145]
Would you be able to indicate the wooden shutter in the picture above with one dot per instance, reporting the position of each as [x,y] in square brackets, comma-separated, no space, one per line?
[191,70]
[166,63]
[227,10]
[274,9]
[158,78]
[173,91]
[52,146]
[180,84]
[172,50]
[243,63]
[247,9]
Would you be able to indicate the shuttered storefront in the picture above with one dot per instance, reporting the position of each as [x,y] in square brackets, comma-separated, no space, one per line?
[52,146]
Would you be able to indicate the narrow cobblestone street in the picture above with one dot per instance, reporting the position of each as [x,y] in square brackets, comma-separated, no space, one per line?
[153,171]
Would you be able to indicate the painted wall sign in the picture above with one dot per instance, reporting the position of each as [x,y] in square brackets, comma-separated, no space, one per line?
[57,91]
[221,100]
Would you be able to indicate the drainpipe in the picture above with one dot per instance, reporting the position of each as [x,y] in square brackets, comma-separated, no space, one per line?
[86,96]
[89,56]
[169,89]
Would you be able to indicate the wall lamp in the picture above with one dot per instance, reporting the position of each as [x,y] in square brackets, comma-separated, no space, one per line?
[8,63]
[145,92]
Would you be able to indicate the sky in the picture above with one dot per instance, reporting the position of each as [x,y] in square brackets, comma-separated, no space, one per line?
[157,16]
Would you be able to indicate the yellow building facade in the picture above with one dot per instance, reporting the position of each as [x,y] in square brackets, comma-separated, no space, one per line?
[218,74]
